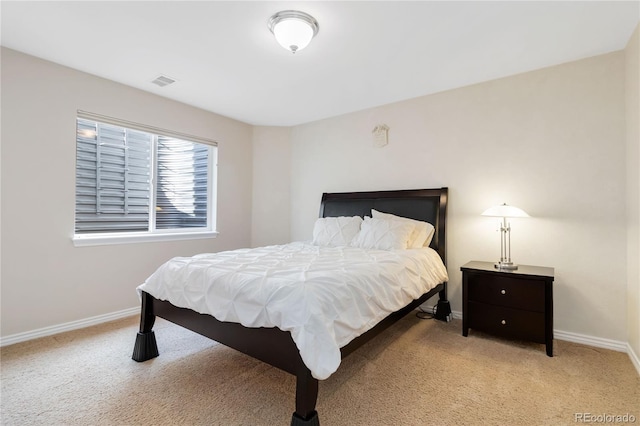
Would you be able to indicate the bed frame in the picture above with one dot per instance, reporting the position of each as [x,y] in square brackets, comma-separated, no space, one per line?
[276,347]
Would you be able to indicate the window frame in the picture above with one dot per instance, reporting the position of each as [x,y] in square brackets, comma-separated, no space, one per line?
[153,234]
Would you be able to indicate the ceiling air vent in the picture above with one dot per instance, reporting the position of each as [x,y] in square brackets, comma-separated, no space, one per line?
[163,80]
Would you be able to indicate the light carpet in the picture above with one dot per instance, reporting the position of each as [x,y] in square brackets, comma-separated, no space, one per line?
[418,372]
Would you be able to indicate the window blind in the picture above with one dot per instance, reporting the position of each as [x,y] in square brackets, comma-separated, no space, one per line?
[115,192]
[113,178]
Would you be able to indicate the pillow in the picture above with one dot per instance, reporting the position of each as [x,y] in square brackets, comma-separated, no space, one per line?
[382,234]
[336,231]
[422,233]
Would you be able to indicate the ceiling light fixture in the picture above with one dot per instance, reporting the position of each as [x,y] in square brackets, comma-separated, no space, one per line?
[293,29]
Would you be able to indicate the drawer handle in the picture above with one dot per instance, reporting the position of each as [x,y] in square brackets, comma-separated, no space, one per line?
[503,322]
[503,291]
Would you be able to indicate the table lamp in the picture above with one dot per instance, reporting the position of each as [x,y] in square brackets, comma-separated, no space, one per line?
[504,211]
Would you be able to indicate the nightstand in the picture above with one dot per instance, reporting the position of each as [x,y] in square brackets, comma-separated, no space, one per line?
[509,303]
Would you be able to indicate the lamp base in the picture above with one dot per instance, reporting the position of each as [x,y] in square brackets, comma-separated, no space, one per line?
[510,266]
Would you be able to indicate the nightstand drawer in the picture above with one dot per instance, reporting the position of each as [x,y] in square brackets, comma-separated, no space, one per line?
[507,292]
[507,322]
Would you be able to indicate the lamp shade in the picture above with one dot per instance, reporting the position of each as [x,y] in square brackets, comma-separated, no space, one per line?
[293,29]
[504,210]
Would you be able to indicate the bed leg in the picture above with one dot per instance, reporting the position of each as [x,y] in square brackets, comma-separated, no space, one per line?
[306,397]
[443,308]
[442,294]
[146,347]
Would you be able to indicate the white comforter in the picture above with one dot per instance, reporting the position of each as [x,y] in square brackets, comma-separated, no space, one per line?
[324,296]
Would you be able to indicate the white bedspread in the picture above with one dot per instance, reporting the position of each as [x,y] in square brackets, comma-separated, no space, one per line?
[324,296]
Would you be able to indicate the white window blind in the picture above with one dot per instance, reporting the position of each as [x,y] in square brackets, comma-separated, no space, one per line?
[137,179]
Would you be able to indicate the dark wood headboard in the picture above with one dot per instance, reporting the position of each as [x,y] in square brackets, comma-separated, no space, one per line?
[429,205]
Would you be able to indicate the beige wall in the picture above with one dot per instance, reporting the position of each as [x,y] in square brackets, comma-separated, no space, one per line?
[271,175]
[45,279]
[632,91]
[551,142]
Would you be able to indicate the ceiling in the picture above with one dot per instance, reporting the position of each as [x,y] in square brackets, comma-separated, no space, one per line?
[366,54]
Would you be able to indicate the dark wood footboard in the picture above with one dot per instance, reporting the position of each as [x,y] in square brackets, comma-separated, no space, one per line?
[270,345]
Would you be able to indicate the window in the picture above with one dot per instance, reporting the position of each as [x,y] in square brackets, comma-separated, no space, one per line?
[136,183]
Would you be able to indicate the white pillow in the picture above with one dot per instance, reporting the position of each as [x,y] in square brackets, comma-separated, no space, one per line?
[422,232]
[383,234]
[336,231]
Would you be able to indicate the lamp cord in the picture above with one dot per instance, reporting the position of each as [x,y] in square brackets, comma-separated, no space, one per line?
[422,314]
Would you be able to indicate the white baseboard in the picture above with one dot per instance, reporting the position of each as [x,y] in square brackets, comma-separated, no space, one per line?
[634,358]
[73,325]
[598,342]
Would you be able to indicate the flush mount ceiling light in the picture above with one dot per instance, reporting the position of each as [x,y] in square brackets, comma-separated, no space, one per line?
[293,29]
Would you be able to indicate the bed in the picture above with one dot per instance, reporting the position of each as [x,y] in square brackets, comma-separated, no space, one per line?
[282,346]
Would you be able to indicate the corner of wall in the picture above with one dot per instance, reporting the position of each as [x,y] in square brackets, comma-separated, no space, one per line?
[271,197]
[632,102]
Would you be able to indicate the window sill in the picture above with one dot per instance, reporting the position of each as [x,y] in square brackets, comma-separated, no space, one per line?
[107,239]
